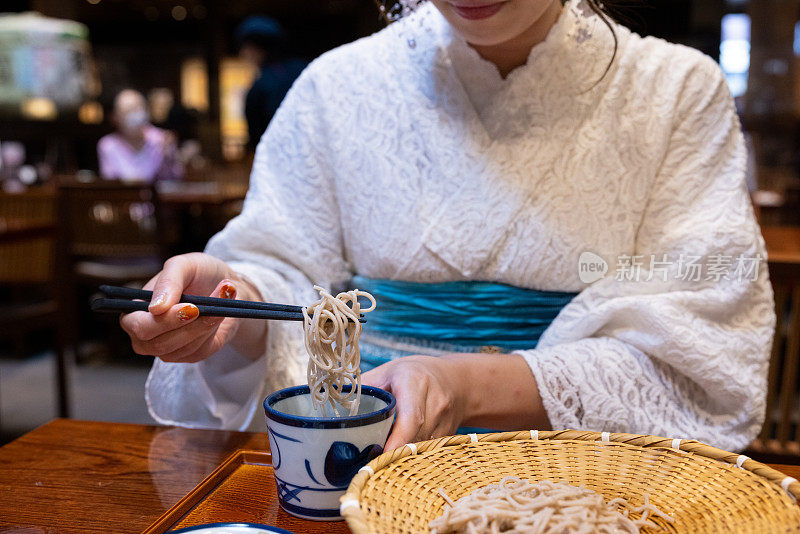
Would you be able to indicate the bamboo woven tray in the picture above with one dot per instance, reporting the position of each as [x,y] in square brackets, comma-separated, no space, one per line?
[241,489]
[705,490]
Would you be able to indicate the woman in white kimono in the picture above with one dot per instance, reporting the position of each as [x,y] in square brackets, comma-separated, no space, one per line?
[479,166]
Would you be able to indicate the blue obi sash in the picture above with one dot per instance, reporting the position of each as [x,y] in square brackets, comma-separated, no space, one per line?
[433,318]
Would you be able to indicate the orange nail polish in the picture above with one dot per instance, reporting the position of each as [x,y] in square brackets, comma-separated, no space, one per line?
[188,312]
[227,291]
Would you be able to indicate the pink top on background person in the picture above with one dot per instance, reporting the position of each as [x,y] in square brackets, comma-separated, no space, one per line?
[157,159]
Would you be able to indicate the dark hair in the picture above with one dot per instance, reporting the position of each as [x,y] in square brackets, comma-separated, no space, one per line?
[263,32]
[605,13]
[608,11]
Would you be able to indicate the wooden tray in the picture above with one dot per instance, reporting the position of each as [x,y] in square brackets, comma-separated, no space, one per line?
[241,489]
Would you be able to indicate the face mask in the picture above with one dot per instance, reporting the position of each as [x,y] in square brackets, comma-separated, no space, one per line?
[134,120]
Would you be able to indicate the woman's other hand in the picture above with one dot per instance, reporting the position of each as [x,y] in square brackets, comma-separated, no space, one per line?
[435,396]
[429,399]
[173,331]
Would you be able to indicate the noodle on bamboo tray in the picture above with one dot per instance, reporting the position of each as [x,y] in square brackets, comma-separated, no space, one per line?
[626,481]
[517,506]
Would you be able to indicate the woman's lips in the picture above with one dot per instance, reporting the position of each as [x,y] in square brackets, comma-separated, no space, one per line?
[478,12]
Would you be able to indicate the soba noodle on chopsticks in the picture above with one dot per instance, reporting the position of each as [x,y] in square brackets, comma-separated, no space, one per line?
[332,329]
[517,506]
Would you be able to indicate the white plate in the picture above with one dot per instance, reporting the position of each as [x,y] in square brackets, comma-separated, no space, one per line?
[231,528]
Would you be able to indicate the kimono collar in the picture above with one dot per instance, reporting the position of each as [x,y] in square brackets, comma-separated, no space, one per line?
[572,58]
[479,117]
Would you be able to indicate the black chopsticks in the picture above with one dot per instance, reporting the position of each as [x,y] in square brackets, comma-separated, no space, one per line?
[127,306]
[207,306]
[117,292]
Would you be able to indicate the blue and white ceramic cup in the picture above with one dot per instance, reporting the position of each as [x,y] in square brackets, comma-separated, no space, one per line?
[315,458]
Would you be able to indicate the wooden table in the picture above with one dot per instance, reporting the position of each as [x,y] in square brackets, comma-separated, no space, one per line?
[82,477]
[86,477]
[783,243]
[194,211]
[20,229]
[208,193]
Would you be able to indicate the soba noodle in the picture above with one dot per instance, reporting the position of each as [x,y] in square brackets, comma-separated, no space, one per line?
[517,506]
[332,329]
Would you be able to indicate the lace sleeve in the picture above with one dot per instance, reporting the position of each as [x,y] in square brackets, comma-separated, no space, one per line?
[287,238]
[661,347]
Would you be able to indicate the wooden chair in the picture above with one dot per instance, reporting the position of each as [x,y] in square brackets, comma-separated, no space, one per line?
[779,439]
[27,252]
[109,232]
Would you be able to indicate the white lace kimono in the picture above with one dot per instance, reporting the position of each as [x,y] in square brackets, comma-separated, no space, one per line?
[405,155]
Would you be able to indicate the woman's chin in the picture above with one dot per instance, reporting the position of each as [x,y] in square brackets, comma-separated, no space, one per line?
[490,31]
[484,33]
[513,20]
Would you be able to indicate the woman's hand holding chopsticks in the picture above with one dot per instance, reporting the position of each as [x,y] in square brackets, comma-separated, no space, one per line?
[174,331]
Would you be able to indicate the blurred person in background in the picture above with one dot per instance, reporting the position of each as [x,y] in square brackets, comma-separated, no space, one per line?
[262,42]
[12,158]
[137,150]
[169,114]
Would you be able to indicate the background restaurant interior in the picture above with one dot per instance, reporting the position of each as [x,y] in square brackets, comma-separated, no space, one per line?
[65,229]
